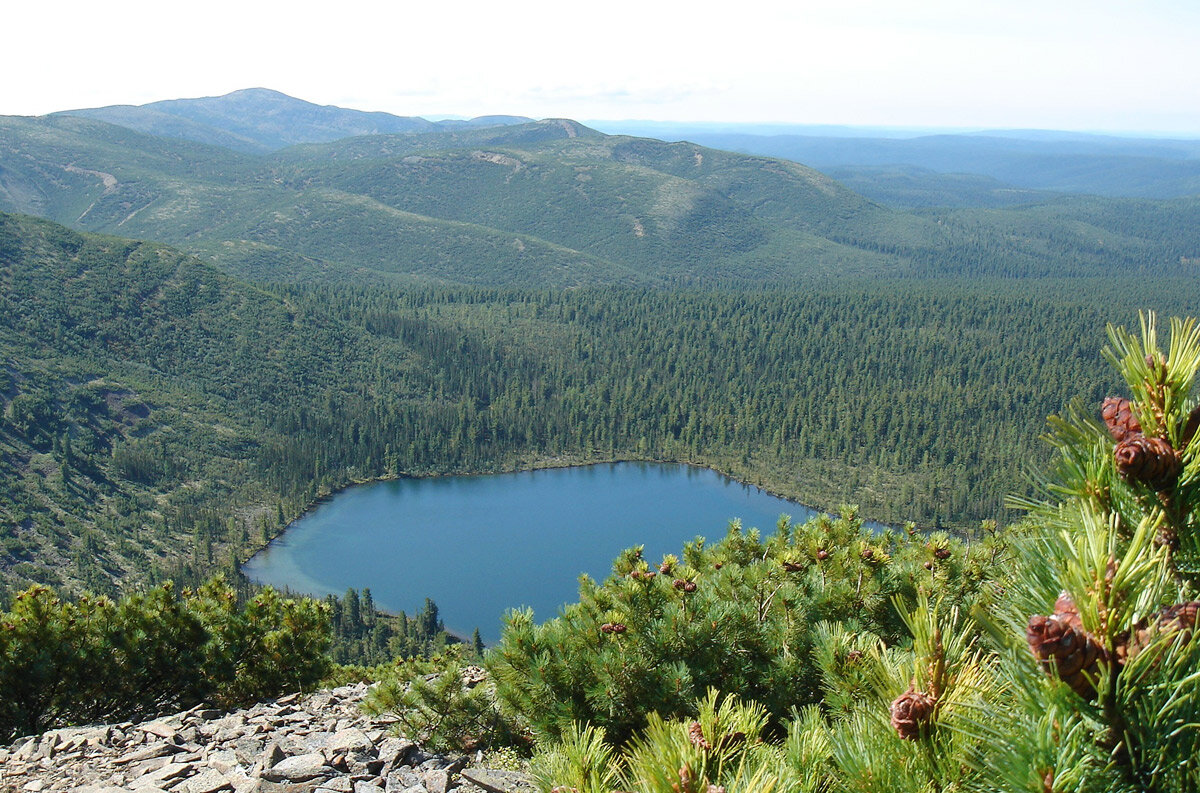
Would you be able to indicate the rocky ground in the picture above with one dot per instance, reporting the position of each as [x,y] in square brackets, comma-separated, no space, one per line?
[317,742]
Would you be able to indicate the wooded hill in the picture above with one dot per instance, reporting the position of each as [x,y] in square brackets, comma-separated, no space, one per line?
[550,204]
[161,419]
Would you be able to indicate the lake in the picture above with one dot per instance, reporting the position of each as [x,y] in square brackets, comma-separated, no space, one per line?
[478,545]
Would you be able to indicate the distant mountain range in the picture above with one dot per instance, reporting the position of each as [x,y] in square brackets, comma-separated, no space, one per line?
[549,203]
[261,120]
[911,169]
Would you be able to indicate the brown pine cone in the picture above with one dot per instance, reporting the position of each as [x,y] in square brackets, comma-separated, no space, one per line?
[1178,619]
[1150,461]
[867,553]
[683,585]
[1189,429]
[1065,648]
[731,739]
[941,553]
[912,711]
[665,568]
[792,567]
[1120,419]
[696,735]
[822,554]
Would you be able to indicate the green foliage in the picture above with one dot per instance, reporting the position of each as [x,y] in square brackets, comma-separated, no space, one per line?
[756,622]
[443,703]
[1122,550]
[721,746]
[171,419]
[366,637]
[69,662]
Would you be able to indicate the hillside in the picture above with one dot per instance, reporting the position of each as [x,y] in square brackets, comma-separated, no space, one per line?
[260,120]
[162,419]
[1020,160]
[549,203]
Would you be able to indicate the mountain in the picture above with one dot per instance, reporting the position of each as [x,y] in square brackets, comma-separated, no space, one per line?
[548,203]
[261,120]
[1020,160]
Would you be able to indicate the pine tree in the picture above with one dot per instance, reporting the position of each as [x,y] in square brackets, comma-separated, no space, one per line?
[1097,639]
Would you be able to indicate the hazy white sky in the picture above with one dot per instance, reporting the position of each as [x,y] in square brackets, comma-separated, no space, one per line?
[1062,64]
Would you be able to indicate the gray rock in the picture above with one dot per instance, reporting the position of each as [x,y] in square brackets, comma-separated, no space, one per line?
[350,740]
[495,781]
[338,784]
[271,755]
[367,787]
[436,781]
[394,751]
[300,768]
[207,781]
[159,749]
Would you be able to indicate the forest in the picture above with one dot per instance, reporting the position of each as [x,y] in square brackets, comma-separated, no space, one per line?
[499,299]
[161,420]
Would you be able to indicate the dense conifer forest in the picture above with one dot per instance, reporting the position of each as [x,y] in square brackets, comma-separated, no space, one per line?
[161,420]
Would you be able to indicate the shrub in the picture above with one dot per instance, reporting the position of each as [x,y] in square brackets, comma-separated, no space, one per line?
[93,659]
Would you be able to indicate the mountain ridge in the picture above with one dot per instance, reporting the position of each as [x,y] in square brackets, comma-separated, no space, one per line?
[260,120]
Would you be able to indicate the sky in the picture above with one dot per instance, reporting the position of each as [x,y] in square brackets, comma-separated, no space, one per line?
[1127,66]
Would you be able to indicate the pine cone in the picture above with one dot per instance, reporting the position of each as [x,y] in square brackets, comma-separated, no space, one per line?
[822,554]
[1178,619]
[912,711]
[696,734]
[941,553]
[731,739]
[1120,419]
[1189,429]
[683,585]
[1065,648]
[1150,461]
[792,567]
[665,568]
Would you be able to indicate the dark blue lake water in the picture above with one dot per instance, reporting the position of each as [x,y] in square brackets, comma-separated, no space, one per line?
[479,545]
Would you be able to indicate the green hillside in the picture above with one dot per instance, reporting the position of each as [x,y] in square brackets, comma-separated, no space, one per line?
[258,120]
[547,204]
[161,419]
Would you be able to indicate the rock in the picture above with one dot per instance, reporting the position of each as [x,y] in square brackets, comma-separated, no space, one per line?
[437,781]
[159,728]
[207,781]
[393,752]
[224,761]
[289,746]
[272,755]
[350,740]
[367,787]
[159,749]
[495,781]
[300,768]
